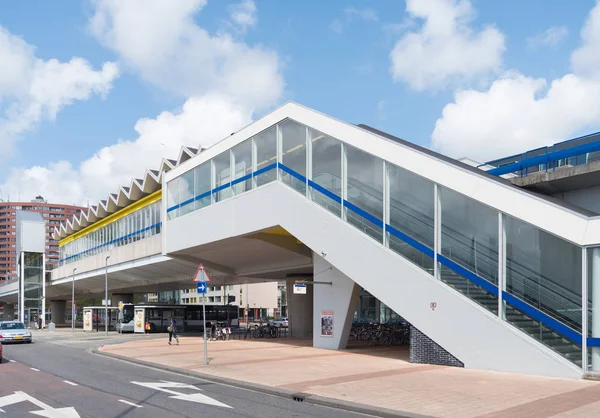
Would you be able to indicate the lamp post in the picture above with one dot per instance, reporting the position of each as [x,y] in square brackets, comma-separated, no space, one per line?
[106,295]
[73,302]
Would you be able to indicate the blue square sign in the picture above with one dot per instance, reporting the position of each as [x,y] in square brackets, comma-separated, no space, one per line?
[201,287]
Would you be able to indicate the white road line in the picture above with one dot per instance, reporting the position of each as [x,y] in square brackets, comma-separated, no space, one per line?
[12,361]
[34,369]
[70,383]
[130,403]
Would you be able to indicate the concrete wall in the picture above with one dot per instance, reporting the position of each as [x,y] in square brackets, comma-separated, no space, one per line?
[482,341]
[300,311]
[134,251]
[588,198]
[58,308]
[340,298]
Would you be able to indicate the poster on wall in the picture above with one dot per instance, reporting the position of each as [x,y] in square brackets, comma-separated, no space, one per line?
[139,326]
[87,320]
[326,323]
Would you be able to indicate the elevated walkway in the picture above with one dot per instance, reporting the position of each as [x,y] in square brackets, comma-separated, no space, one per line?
[493,274]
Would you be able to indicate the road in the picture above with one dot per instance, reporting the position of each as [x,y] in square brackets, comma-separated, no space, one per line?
[60,377]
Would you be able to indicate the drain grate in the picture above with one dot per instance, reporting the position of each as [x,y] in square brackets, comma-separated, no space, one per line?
[298,398]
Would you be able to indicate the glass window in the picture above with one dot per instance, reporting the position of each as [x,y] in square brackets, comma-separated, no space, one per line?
[470,239]
[266,154]
[222,164]
[365,191]
[186,192]
[326,169]
[242,155]
[411,213]
[544,271]
[202,185]
[172,198]
[293,139]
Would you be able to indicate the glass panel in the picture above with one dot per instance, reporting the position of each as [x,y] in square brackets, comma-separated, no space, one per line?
[172,198]
[243,166]
[186,192]
[544,271]
[293,138]
[593,292]
[365,190]
[222,164]
[266,154]
[470,234]
[326,169]
[411,212]
[202,184]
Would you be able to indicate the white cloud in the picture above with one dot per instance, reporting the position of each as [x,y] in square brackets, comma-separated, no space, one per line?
[225,83]
[446,49]
[243,14]
[201,121]
[33,90]
[518,113]
[337,26]
[350,14]
[363,14]
[586,59]
[168,49]
[552,37]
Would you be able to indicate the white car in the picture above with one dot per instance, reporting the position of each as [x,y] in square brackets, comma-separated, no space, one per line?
[14,331]
[279,322]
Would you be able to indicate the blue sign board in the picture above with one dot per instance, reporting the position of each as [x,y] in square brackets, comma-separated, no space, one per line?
[201,287]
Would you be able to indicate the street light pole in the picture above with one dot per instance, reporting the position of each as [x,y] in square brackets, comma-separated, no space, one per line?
[73,303]
[106,294]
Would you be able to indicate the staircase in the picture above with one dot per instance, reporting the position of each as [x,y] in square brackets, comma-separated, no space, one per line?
[533,328]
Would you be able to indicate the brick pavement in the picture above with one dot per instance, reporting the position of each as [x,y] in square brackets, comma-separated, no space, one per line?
[378,377]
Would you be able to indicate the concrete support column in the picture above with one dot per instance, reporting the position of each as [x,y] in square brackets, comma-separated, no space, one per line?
[334,305]
[58,308]
[595,297]
[9,312]
[300,311]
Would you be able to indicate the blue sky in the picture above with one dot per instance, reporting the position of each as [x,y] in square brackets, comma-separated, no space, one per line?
[478,85]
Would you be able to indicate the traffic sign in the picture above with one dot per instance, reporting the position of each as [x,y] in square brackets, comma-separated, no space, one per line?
[201,275]
[201,287]
[299,288]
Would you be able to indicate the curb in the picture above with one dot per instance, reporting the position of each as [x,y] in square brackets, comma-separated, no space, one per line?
[282,393]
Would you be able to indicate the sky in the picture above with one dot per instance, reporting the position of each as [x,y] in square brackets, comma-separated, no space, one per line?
[94,92]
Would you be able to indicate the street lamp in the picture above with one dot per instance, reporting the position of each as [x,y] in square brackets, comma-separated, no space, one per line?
[106,294]
[73,302]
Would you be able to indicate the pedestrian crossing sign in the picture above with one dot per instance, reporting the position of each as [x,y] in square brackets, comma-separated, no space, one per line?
[201,275]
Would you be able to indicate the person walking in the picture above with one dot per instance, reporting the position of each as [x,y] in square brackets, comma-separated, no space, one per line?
[173,331]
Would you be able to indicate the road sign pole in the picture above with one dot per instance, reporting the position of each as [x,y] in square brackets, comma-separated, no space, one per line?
[204,320]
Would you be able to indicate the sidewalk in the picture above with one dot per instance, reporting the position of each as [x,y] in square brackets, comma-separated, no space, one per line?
[378,378]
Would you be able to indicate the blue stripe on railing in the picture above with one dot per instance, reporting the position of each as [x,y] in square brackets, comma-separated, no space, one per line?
[202,196]
[221,187]
[241,179]
[363,213]
[324,191]
[593,342]
[457,268]
[412,242]
[141,231]
[265,169]
[292,173]
[540,316]
[546,158]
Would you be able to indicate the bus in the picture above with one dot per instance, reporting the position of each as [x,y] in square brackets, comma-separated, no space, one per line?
[156,317]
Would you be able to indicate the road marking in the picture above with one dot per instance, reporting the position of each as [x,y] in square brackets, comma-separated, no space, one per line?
[12,361]
[46,411]
[34,369]
[130,403]
[70,383]
[192,397]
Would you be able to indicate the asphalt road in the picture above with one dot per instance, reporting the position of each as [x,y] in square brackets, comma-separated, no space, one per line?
[50,375]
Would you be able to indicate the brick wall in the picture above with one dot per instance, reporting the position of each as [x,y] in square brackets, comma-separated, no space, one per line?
[424,350]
